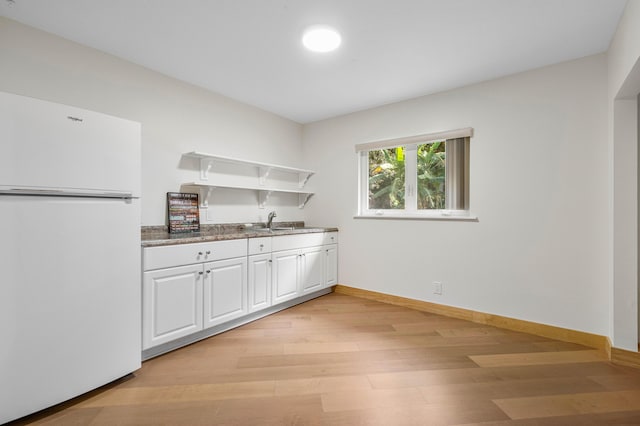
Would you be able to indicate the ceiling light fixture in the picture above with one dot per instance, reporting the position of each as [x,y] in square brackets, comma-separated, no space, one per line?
[321,38]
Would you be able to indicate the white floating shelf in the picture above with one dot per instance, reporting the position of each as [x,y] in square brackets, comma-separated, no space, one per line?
[207,162]
[206,189]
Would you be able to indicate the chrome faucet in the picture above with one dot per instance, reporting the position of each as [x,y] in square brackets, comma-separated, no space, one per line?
[270,219]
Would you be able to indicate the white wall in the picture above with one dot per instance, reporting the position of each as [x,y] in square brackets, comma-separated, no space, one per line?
[624,86]
[539,184]
[176,117]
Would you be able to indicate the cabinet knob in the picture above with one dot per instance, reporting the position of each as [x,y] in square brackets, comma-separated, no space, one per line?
[200,273]
[208,252]
[261,245]
[208,271]
[200,253]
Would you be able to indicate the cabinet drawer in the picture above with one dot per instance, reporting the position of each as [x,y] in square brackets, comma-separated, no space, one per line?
[289,242]
[330,238]
[259,245]
[185,254]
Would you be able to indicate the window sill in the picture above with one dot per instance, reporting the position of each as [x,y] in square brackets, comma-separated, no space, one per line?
[456,216]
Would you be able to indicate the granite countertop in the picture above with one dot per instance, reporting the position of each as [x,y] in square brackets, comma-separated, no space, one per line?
[153,236]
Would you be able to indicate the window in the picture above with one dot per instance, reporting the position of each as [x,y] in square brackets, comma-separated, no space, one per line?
[425,176]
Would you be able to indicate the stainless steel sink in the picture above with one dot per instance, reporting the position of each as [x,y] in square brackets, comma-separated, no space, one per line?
[286,228]
[275,228]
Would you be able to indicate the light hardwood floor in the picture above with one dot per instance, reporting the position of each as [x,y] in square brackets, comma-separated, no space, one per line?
[343,360]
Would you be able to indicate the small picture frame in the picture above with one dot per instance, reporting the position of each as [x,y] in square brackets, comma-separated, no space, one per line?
[183,212]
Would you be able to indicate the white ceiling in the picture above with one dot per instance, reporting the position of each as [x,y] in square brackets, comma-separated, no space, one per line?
[392,50]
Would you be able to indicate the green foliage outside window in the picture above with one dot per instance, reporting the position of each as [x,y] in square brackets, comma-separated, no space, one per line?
[431,176]
[387,177]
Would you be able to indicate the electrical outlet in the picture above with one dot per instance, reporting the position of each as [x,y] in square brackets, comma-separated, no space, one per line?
[437,287]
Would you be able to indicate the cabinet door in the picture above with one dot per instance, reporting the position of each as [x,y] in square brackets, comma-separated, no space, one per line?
[285,275]
[331,265]
[312,266]
[259,282]
[225,290]
[172,304]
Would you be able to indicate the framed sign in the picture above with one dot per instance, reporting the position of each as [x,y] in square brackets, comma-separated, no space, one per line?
[183,212]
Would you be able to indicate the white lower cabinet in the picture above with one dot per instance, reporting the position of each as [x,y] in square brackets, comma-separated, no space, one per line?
[310,264]
[259,282]
[225,291]
[180,299]
[191,287]
[312,269]
[172,304]
[285,275]
[331,265]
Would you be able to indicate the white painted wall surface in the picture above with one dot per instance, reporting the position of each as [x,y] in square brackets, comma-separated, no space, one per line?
[625,225]
[538,185]
[624,86]
[176,117]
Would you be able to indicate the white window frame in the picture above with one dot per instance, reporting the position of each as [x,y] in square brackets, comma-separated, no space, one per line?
[456,177]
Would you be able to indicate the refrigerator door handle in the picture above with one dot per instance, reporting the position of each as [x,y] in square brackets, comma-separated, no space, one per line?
[63,192]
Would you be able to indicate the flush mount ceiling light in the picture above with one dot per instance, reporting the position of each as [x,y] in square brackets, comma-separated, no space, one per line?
[321,38]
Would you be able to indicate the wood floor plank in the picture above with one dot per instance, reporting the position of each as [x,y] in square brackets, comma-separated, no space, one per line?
[371,399]
[564,405]
[507,389]
[416,415]
[470,332]
[278,410]
[180,393]
[626,418]
[424,341]
[538,358]
[438,377]
[580,369]
[314,358]
[319,385]
[312,348]
[617,382]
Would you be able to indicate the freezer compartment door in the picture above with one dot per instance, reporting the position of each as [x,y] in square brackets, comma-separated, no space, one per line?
[45,144]
[70,305]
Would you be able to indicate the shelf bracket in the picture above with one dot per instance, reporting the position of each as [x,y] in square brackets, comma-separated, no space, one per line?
[303,199]
[303,178]
[264,174]
[205,193]
[205,167]
[263,197]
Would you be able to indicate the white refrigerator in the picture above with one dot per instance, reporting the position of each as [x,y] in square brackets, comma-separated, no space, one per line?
[70,316]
